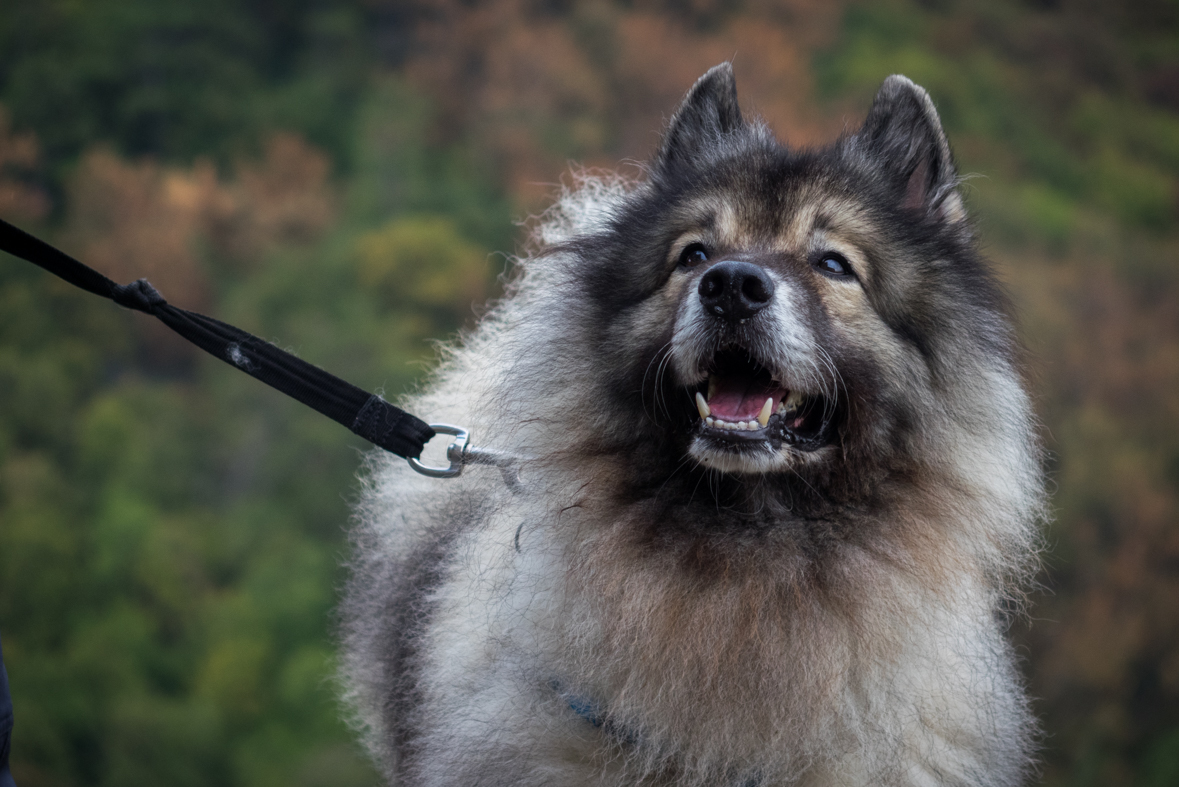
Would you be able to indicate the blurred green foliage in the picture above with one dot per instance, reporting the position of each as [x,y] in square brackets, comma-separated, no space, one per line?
[178,80]
[334,175]
[1028,105]
[172,535]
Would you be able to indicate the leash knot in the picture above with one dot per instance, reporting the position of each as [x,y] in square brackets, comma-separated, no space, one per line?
[138,295]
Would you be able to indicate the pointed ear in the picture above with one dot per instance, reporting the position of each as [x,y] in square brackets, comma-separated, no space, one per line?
[708,112]
[903,137]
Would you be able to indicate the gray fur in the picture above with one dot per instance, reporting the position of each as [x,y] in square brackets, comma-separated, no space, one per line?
[765,613]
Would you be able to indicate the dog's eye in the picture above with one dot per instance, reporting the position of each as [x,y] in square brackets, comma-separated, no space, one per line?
[833,264]
[694,254]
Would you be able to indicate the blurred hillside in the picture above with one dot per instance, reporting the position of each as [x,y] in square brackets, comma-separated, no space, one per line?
[342,177]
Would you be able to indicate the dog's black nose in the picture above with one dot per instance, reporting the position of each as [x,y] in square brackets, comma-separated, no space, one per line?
[735,290]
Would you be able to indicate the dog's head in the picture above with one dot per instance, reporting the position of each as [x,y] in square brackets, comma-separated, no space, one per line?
[804,311]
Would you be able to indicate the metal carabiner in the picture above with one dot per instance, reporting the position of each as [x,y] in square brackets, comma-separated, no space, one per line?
[454,453]
[461,453]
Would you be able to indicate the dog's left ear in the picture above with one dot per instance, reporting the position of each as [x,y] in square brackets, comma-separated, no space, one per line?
[903,136]
[708,113]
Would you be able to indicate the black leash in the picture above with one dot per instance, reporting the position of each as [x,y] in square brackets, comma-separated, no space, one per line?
[367,415]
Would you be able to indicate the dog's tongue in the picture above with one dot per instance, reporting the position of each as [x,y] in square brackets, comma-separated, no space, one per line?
[740,398]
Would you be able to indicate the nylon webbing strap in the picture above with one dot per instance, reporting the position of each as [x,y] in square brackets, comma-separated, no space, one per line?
[367,415]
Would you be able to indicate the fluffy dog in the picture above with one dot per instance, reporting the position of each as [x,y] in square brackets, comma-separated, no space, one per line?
[781,487]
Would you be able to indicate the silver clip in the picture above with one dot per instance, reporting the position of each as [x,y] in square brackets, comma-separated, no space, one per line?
[461,453]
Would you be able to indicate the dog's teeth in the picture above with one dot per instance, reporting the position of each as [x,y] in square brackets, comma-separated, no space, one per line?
[710,422]
[794,399]
[702,405]
[711,386]
[763,417]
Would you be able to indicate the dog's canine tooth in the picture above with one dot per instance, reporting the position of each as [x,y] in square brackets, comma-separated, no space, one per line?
[702,405]
[763,417]
[793,400]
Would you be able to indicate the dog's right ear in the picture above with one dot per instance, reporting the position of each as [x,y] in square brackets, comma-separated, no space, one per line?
[708,112]
[903,136]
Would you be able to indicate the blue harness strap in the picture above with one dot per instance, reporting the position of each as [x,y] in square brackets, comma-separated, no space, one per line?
[582,706]
[5,726]
[590,711]
[586,709]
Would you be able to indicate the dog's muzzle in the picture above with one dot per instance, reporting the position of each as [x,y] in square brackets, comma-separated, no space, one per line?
[744,402]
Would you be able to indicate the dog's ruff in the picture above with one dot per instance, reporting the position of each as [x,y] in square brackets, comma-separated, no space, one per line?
[811,598]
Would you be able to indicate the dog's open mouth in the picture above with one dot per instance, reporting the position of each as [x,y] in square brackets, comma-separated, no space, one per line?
[742,403]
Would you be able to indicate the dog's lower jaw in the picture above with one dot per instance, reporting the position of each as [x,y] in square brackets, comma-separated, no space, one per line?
[753,459]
